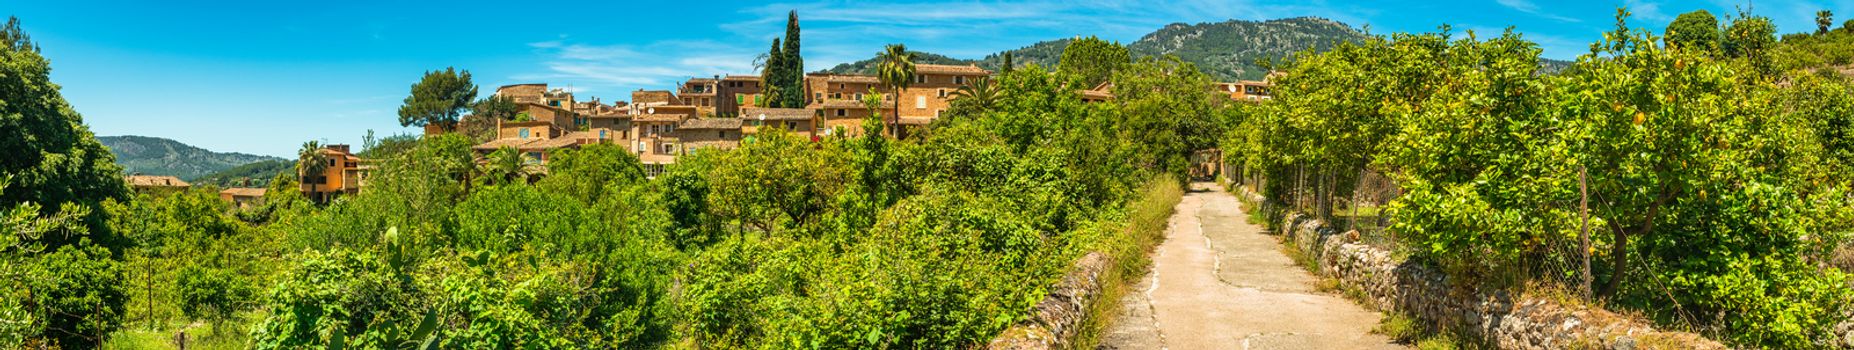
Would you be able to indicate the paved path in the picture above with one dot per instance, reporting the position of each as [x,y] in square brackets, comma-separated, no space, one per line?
[1218,282]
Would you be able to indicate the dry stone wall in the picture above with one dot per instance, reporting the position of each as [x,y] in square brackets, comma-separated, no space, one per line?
[1501,319]
[1055,321]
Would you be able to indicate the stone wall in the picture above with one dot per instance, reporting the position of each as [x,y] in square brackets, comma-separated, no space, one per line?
[1501,319]
[1055,321]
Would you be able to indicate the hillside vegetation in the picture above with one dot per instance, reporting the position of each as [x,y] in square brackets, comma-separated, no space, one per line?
[159,156]
[1225,51]
[257,174]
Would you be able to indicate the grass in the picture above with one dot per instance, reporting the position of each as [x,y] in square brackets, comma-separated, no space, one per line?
[203,336]
[1406,329]
[1147,219]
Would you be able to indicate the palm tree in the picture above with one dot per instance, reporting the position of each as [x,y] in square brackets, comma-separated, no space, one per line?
[981,92]
[310,161]
[505,165]
[896,72]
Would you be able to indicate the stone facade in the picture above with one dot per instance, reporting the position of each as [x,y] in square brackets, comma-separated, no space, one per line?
[933,87]
[1504,320]
[1055,321]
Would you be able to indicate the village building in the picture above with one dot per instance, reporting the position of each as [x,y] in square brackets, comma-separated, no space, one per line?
[801,122]
[708,133]
[344,173]
[148,183]
[838,100]
[699,93]
[1246,90]
[737,92]
[242,197]
[931,92]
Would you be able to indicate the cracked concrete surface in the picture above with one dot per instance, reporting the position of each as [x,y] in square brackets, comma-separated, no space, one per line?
[1218,282]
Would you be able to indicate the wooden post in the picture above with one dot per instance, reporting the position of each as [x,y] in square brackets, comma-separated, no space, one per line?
[1583,207]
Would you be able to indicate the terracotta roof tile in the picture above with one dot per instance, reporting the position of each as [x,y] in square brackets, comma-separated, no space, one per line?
[711,123]
[778,113]
[850,104]
[950,69]
[499,143]
[659,117]
[244,192]
[155,181]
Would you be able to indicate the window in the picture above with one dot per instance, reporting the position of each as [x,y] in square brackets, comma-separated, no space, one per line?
[920,101]
[721,134]
[820,96]
[601,134]
[836,95]
[859,96]
[669,148]
[842,112]
[959,80]
[942,93]
[920,79]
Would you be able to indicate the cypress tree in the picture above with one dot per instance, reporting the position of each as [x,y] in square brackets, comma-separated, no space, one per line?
[793,70]
[1006,68]
[771,75]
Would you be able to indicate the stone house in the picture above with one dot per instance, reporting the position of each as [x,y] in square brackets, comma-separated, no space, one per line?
[242,197]
[932,90]
[799,121]
[736,92]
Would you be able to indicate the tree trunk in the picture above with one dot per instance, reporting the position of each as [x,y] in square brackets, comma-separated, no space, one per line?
[1583,207]
[1618,270]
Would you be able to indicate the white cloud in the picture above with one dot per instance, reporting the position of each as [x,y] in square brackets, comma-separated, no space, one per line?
[1648,11]
[1530,8]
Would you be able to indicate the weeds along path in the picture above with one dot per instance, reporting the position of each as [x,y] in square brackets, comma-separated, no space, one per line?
[1218,282]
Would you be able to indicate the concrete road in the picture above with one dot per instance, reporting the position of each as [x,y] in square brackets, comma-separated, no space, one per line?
[1218,282]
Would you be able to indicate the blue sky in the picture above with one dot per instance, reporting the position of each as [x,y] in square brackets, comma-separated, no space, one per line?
[264,76]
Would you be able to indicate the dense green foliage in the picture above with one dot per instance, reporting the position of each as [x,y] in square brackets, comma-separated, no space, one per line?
[938,240]
[1093,59]
[58,256]
[1713,193]
[1698,30]
[438,98]
[159,156]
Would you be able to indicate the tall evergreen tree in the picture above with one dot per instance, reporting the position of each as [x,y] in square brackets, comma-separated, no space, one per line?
[1005,69]
[771,76]
[794,65]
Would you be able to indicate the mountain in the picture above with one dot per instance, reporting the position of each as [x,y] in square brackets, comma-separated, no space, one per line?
[1230,50]
[868,66]
[1226,50]
[159,156]
[256,174]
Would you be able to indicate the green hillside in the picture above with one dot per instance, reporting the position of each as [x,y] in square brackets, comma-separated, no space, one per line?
[159,156]
[256,174]
[1225,50]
